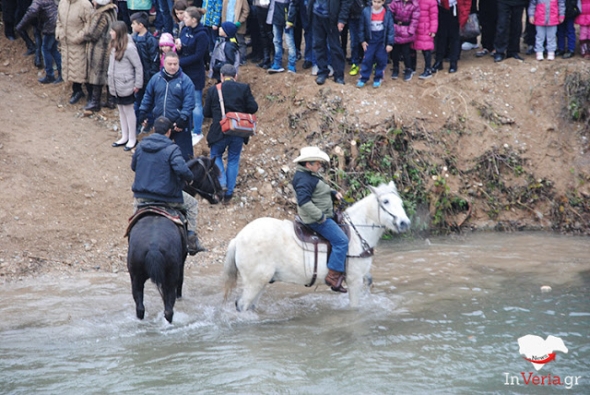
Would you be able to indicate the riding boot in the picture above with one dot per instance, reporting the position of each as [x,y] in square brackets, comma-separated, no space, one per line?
[194,245]
[94,102]
[334,280]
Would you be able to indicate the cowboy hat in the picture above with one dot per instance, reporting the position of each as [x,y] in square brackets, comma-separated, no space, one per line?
[311,154]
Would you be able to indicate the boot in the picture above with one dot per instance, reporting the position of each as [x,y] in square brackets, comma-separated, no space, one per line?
[586,49]
[94,101]
[110,103]
[265,64]
[334,280]
[194,245]
[583,48]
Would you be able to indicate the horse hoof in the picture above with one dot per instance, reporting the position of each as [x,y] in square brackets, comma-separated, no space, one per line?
[140,313]
[168,315]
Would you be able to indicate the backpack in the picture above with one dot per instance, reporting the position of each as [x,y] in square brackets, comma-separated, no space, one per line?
[571,9]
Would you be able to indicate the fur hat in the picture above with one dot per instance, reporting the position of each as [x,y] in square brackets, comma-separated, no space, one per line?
[230,29]
[166,40]
[103,2]
[311,154]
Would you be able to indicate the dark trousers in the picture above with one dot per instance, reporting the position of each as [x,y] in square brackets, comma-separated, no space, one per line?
[488,18]
[375,55]
[427,59]
[255,33]
[509,29]
[138,98]
[265,32]
[447,36]
[401,50]
[326,34]
[566,30]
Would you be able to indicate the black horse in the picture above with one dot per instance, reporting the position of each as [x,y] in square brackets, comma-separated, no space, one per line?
[157,246]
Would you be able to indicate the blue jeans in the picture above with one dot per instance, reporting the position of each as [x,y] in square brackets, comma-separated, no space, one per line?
[567,30]
[50,54]
[228,175]
[278,32]
[163,21]
[198,112]
[308,54]
[331,231]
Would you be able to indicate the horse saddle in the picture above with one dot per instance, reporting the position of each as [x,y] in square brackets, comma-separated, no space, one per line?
[310,240]
[174,215]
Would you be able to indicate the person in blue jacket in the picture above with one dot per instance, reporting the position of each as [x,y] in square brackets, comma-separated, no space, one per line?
[160,174]
[171,93]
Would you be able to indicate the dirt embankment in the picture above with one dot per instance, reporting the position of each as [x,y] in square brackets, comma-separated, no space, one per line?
[489,147]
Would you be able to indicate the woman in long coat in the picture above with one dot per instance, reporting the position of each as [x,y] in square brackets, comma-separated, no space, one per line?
[98,49]
[72,18]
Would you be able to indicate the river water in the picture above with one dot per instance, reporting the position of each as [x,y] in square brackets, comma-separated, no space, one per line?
[443,317]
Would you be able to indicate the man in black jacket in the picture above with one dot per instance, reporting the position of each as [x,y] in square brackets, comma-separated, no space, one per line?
[160,173]
[509,29]
[237,97]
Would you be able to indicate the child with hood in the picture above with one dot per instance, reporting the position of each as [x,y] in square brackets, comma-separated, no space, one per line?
[226,50]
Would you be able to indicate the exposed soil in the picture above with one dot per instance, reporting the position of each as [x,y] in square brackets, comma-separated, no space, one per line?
[66,193]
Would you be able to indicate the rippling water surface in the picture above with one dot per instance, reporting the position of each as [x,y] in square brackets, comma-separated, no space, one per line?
[443,317]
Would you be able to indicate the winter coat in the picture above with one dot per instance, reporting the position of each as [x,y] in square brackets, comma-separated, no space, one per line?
[126,74]
[139,5]
[149,54]
[160,170]
[285,11]
[365,27]
[546,12]
[241,12]
[45,11]
[237,97]
[169,96]
[195,45]
[584,18]
[315,198]
[427,23]
[72,18]
[226,51]
[406,14]
[338,10]
[99,40]
[213,15]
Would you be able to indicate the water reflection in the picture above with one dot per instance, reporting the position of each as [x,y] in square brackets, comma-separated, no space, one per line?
[443,317]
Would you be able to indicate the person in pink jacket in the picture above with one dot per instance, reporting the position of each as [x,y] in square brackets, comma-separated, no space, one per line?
[425,33]
[584,21]
[546,15]
[406,14]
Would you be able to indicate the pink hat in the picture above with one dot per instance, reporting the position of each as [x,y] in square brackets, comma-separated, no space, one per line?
[166,40]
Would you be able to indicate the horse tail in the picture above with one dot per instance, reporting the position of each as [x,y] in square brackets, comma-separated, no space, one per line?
[230,270]
[155,265]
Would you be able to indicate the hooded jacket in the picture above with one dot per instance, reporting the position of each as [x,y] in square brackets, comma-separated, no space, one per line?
[160,170]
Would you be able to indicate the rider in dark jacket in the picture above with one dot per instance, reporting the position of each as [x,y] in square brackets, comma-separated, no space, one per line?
[160,173]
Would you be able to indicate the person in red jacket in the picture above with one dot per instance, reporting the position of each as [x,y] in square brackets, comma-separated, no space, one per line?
[452,15]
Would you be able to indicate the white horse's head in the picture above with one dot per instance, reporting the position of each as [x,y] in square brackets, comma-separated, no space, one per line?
[390,208]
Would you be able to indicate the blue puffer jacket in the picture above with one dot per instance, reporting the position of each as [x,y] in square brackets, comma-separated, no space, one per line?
[195,45]
[169,96]
[160,170]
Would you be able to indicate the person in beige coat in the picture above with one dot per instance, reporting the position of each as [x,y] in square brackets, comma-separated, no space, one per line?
[98,48]
[72,18]
[240,14]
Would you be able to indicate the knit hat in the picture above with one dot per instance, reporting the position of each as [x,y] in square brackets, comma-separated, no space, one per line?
[230,29]
[166,40]
[103,2]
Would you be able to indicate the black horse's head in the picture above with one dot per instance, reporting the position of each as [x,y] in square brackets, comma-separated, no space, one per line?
[205,179]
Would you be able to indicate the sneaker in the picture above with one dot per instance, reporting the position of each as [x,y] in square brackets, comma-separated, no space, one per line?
[354,70]
[59,80]
[196,138]
[530,50]
[567,54]
[540,56]
[331,71]
[467,46]
[47,80]
[482,53]
[395,74]
[550,55]
[360,84]
[275,69]
[291,69]
[376,84]
[408,73]
[425,75]
[314,70]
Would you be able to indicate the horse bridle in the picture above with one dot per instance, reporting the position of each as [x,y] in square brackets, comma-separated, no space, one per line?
[194,190]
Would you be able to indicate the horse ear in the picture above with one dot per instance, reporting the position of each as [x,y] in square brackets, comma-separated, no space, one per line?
[392,186]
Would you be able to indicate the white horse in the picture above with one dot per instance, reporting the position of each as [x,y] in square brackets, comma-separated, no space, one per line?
[266,250]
